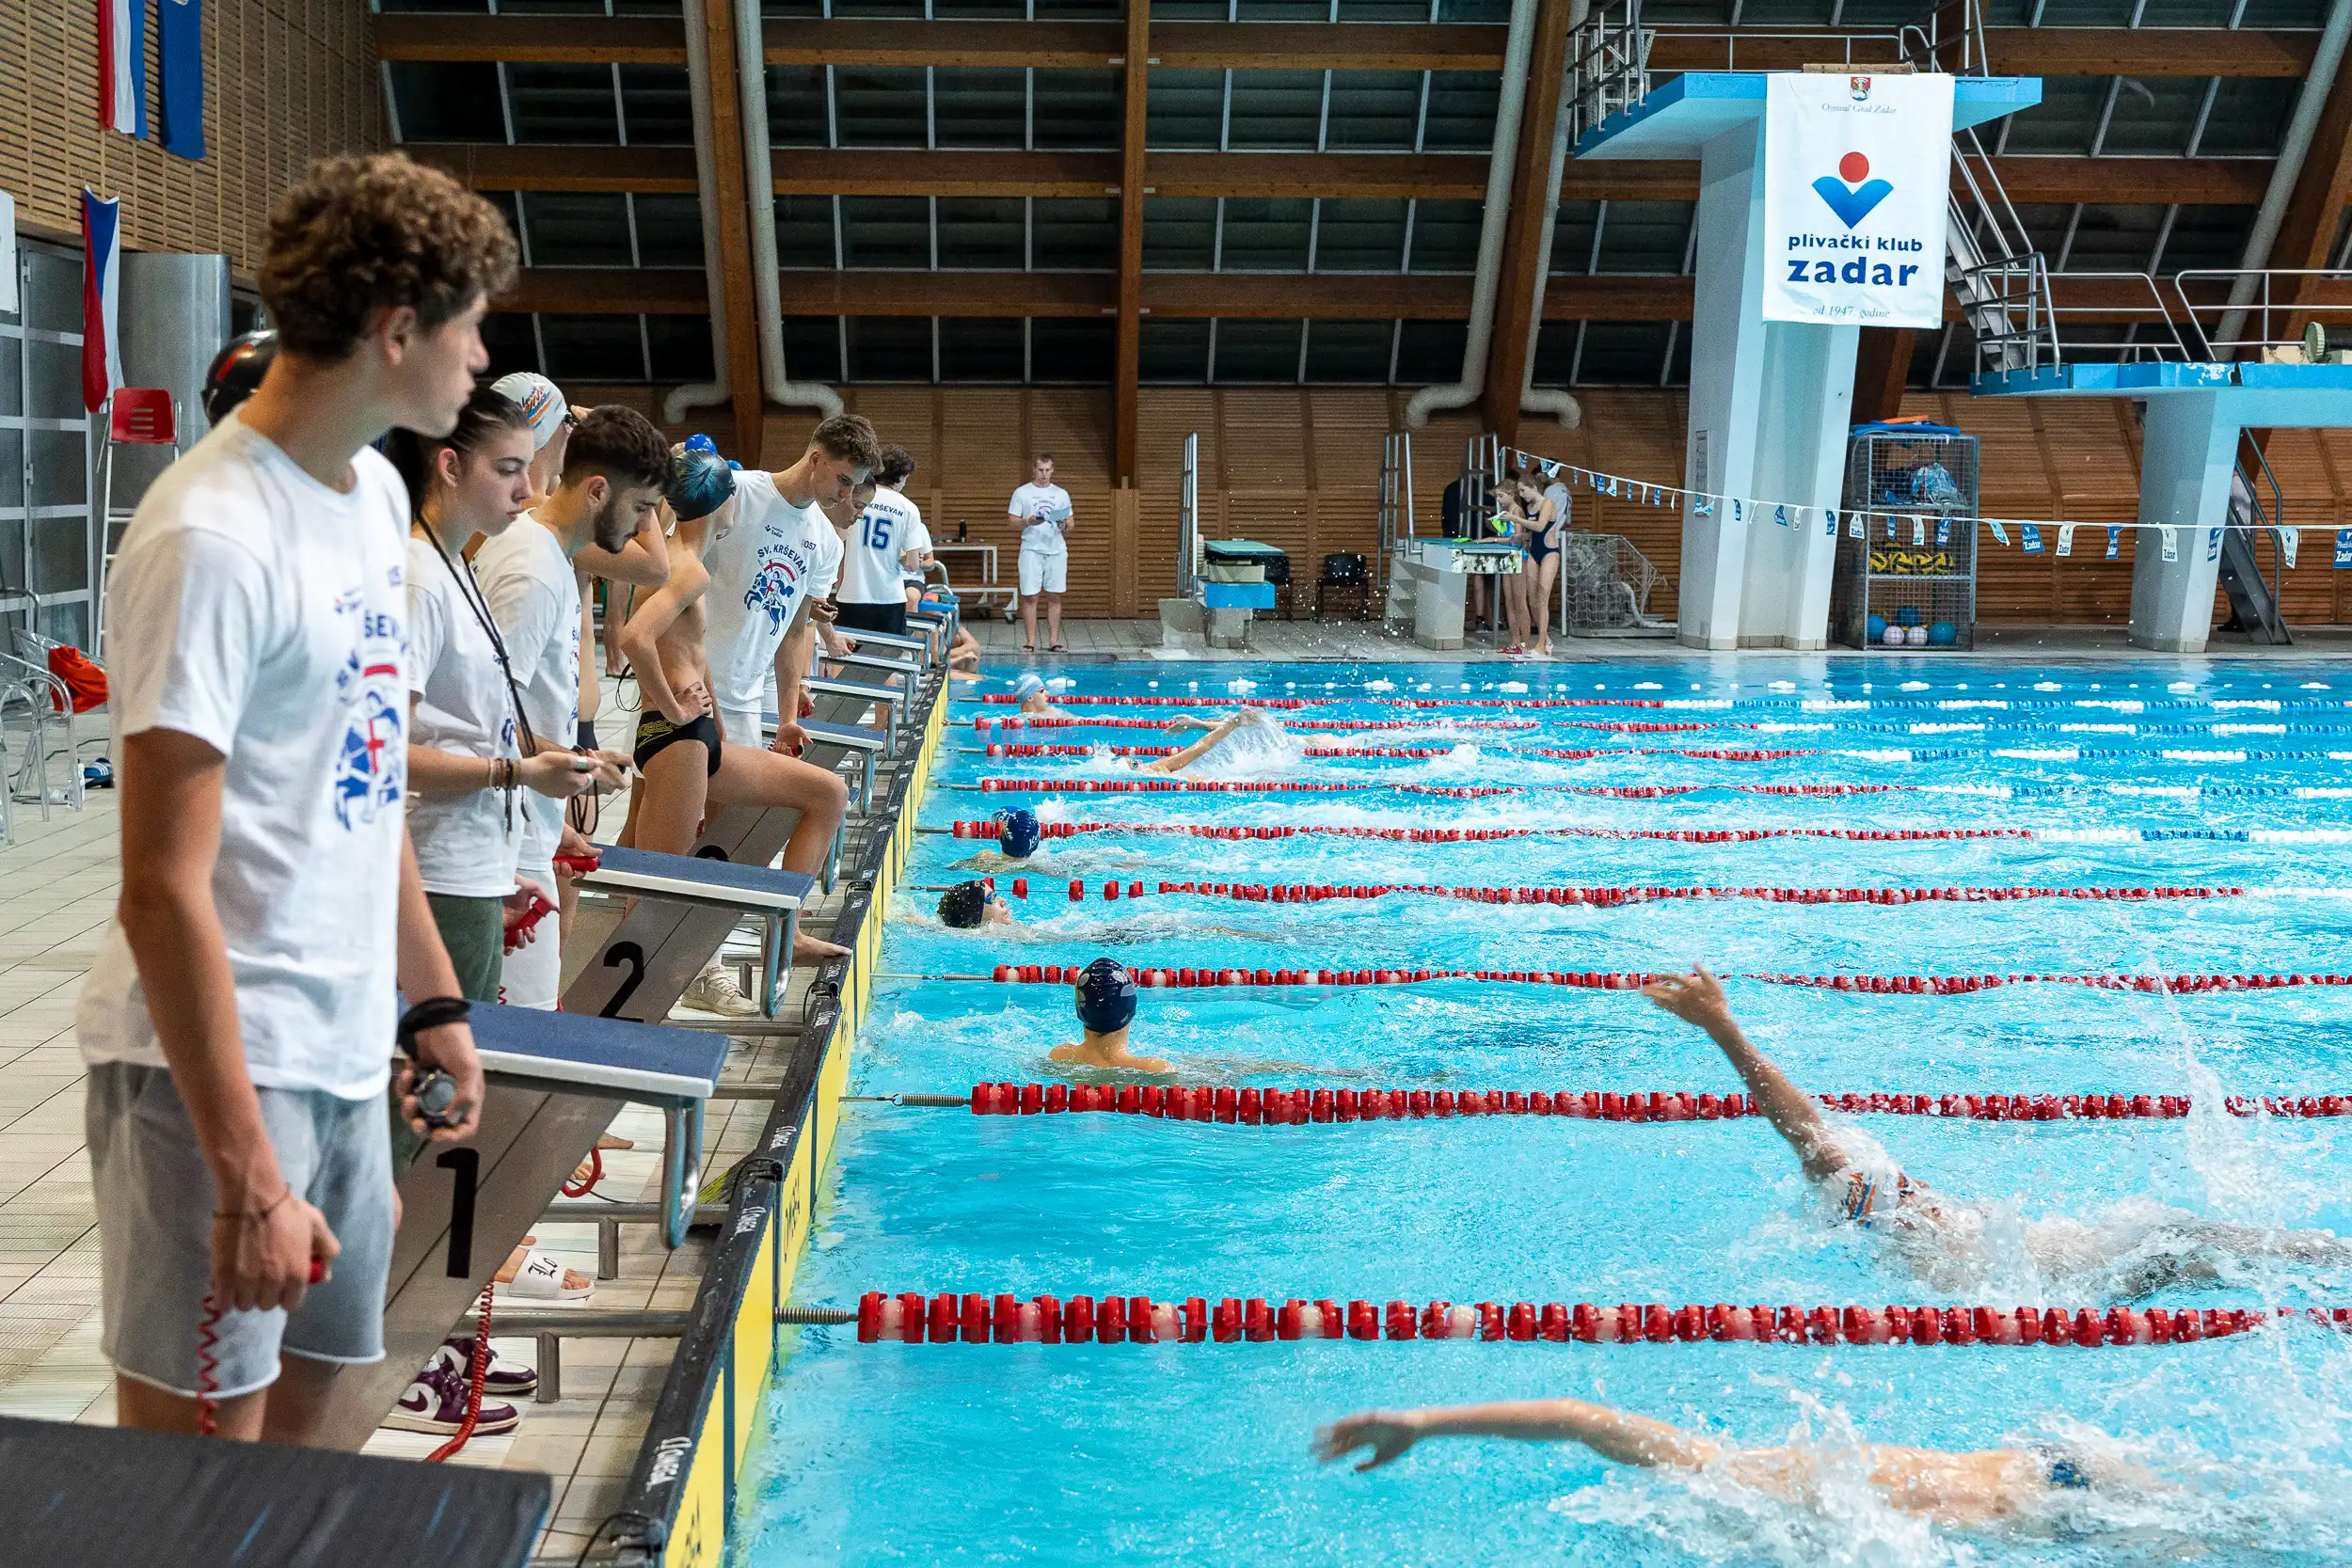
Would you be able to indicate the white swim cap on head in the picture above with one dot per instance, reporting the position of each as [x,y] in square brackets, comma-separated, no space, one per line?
[542,404]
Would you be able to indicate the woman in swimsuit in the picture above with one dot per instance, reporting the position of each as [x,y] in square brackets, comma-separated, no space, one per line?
[1509,527]
[1542,562]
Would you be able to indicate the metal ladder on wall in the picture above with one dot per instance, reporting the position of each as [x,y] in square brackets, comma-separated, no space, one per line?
[2253,599]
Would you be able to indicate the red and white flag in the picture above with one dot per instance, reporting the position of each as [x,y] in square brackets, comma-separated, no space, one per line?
[102,287]
[122,65]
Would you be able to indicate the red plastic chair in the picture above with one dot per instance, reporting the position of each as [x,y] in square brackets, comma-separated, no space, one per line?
[143,417]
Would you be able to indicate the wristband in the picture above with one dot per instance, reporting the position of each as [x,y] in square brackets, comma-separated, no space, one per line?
[434,1012]
[264,1212]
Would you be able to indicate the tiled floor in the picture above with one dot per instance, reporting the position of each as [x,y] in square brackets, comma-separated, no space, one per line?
[57,888]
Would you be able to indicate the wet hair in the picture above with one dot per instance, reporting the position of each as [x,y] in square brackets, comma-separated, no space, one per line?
[354,234]
[485,413]
[963,905]
[849,438]
[896,468]
[621,444]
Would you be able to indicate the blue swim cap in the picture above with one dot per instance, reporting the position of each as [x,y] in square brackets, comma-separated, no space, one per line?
[1020,836]
[1106,996]
[699,442]
[1026,683]
[700,483]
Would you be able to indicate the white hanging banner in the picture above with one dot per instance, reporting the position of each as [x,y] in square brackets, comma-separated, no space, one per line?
[1858,178]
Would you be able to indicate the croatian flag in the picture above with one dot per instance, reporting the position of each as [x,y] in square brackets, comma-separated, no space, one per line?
[102,287]
[122,65]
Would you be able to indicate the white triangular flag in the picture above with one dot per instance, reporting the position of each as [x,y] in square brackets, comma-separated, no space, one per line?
[2289,540]
[2001,534]
[2066,539]
[1856,527]
[2172,544]
[1918,531]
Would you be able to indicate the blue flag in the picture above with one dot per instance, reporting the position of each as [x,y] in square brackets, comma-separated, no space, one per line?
[180,37]
[2343,546]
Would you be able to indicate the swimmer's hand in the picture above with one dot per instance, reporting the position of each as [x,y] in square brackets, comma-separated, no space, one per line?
[1387,1433]
[1694,998]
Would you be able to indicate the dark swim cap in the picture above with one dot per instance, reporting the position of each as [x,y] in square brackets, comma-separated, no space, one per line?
[236,372]
[700,483]
[699,442]
[1020,834]
[964,905]
[1106,996]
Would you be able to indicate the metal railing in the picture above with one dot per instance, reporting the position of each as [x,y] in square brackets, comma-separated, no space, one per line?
[2279,307]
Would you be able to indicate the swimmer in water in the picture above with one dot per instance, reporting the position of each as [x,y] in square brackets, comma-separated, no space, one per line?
[1974,1490]
[1107,1006]
[1030,692]
[969,906]
[1943,1240]
[1216,733]
[1018,835]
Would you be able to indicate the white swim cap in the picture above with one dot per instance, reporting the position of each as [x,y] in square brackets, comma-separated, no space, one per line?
[542,404]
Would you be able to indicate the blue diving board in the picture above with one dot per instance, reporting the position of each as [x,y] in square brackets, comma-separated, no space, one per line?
[543,1049]
[2332,384]
[1685,114]
[698,878]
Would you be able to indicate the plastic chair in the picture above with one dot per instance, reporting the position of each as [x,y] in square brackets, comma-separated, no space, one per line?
[136,417]
[1346,573]
[1278,576]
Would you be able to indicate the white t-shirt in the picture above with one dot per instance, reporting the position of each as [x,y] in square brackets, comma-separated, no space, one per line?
[534,599]
[264,614]
[870,573]
[1558,496]
[464,850]
[1052,502]
[918,542]
[774,557]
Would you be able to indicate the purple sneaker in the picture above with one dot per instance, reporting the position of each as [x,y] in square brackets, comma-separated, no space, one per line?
[435,1402]
[504,1379]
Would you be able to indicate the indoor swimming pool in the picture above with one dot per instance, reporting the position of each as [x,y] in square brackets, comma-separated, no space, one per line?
[2183,829]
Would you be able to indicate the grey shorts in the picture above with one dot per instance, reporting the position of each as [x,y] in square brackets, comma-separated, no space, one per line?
[155,1203]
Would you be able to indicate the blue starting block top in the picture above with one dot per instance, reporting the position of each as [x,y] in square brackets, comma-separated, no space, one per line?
[1695,107]
[1237,596]
[697,879]
[855,737]
[572,1051]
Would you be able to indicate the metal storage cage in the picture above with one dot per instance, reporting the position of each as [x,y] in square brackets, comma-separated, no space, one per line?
[1911,582]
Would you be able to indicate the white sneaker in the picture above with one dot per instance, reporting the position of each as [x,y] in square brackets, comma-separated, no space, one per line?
[714,991]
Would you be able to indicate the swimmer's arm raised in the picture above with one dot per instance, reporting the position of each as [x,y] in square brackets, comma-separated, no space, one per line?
[1698,998]
[1613,1434]
[1195,751]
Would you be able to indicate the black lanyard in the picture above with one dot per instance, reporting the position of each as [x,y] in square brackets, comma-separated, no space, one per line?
[470,589]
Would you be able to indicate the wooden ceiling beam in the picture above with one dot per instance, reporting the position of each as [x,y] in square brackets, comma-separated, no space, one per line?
[730,173]
[822,172]
[1527,238]
[1311,45]
[495,166]
[532,39]
[1127,355]
[1326,297]
[1364,176]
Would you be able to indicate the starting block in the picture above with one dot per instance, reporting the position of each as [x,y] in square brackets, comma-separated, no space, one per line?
[79,1496]
[865,744]
[556,1081]
[917,648]
[896,698]
[706,883]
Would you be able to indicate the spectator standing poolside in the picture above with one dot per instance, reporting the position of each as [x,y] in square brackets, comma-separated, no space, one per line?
[1041,510]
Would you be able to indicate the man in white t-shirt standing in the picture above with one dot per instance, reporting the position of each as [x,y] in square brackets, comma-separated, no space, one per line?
[1041,510]
[614,468]
[876,547]
[241,1016]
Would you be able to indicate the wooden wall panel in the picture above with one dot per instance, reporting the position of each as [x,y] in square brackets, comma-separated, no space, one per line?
[285,81]
[1299,468]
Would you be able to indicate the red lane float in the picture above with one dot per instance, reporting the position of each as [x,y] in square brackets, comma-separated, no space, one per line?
[1254,1108]
[972,1317]
[1006,699]
[1496,835]
[983,724]
[1873,985]
[1037,748]
[1615,897]
[1450,792]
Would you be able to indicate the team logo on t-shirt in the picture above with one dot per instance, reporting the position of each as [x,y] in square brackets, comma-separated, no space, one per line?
[774,586]
[372,759]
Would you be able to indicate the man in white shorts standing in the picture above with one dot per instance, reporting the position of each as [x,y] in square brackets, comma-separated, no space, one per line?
[243,1011]
[614,471]
[1041,510]
[768,571]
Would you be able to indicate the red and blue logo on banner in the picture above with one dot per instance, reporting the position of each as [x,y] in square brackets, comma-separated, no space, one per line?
[102,287]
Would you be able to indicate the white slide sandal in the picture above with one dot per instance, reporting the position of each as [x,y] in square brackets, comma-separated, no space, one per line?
[543,1277]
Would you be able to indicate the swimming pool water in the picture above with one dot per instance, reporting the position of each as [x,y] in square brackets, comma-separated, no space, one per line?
[1198,1453]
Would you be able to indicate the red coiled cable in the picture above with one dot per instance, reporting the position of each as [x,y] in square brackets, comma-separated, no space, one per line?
[480,1367]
